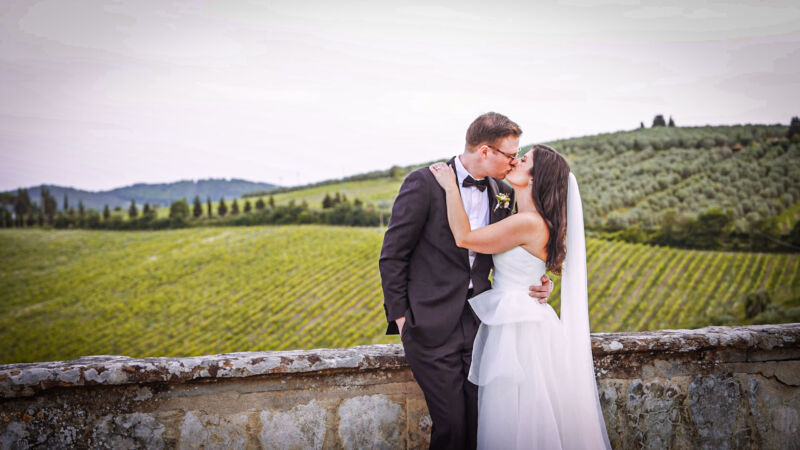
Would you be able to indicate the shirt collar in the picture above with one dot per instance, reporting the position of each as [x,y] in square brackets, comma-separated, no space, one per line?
[461,171]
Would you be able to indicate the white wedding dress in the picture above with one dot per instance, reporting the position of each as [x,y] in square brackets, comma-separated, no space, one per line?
[534,370]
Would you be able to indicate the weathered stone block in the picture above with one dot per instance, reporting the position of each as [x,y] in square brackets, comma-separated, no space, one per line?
[716,409]
[213,431]
[128,431]
[775,409]
[788,372]
[302,427]
[371,421]
[653,409]
[419,423]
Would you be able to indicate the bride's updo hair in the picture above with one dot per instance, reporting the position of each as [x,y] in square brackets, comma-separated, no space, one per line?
[550,173]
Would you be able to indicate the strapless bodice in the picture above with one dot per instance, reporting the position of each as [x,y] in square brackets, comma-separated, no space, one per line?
[516,268]
[507,301]
[507,309]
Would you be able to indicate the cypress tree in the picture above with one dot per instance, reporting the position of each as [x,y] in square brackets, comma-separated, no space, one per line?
[247,206]
[132,210]
[49,204]
[43,193]
[260,204]
[794,127]
[208,204]
[671,122]
[658,121]
[641,124]
[5,217]
[234,207]
[327,202]
[39,215]
[22,206]
[106,212]
[794,235]
[197,211]
[272,202]
[222,209]
[66,203]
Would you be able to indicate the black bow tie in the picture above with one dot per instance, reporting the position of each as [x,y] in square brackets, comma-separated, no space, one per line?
[472,182]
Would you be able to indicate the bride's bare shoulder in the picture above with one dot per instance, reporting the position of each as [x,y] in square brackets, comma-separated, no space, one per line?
[532,218]
[535,224]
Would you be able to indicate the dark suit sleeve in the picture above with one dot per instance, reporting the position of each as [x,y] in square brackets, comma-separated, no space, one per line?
[409,214]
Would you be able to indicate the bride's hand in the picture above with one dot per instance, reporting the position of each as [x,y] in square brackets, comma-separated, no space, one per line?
[444,175]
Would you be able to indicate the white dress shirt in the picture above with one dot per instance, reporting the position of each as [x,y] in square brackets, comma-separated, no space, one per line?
[476,203]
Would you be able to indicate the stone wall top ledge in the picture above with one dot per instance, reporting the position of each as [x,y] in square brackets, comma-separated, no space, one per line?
[750,338]
[26,379]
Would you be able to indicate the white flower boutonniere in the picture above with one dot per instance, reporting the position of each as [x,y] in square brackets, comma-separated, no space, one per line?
[503,201]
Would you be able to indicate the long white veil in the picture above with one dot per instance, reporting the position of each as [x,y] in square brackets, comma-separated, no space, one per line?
[582,418]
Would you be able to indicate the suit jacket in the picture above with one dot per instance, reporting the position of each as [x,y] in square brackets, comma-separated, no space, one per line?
[425,277]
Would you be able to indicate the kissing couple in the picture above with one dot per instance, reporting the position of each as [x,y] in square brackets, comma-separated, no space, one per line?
[498,368]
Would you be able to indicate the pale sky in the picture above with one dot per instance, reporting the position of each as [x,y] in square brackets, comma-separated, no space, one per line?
[102,94]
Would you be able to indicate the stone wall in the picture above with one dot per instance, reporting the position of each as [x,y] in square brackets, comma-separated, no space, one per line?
[716,387]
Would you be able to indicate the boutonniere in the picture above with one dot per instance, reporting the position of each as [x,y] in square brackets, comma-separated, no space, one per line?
[503,201]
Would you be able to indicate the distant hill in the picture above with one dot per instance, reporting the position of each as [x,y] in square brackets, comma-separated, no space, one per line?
[642,176]
[160,194]
[638,177]
[642,179]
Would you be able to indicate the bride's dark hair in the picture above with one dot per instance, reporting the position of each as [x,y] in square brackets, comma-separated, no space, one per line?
[550,173]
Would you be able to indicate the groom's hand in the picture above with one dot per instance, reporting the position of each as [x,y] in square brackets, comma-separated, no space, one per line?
[400,322]
[542,293]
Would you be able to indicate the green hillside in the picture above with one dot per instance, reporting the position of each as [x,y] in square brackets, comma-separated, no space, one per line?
[197,291]
[631,177]
[642,178]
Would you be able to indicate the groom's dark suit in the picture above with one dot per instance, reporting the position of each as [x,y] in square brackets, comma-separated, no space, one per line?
[426,279]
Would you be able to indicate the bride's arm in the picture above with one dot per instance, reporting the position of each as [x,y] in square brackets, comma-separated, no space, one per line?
[494,238]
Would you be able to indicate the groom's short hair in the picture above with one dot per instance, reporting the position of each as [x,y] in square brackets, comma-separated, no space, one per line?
[489,128]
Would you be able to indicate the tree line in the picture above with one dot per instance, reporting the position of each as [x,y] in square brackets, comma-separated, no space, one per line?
[712,230]
[658,121]
[336,209]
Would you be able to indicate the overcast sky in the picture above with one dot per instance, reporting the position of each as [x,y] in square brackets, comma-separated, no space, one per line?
[101,94]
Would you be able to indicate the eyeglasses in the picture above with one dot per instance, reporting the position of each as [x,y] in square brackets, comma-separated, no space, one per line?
[510,157]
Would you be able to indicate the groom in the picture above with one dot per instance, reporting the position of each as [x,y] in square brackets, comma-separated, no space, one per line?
[427,279]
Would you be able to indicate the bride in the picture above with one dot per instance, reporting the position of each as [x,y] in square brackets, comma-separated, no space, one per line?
[534,370]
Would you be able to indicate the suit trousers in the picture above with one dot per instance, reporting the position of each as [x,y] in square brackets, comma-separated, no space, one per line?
[441,373]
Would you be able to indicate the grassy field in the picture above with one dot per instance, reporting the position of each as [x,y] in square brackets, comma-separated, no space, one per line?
[197,291]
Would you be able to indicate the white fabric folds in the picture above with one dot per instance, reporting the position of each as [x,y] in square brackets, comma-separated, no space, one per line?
[578,383]
[534,371]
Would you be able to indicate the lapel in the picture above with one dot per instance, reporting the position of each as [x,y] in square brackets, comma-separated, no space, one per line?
[452,163]
[464,252]
[493,190]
